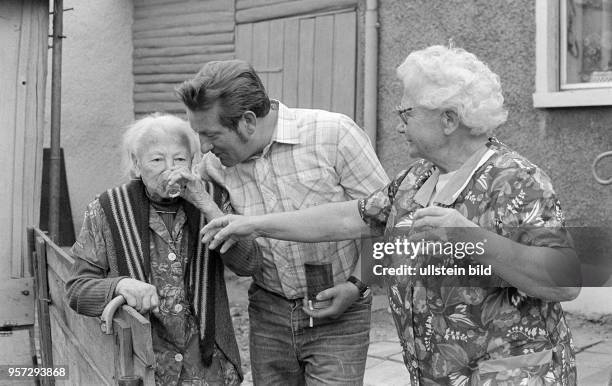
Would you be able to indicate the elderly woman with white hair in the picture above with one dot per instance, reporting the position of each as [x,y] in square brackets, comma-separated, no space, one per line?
[140,240]
[506,328]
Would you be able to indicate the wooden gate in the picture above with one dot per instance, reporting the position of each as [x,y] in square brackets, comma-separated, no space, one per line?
[76,341]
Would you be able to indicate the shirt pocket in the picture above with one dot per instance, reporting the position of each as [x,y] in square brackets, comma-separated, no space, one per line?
[517,369]
[308,188]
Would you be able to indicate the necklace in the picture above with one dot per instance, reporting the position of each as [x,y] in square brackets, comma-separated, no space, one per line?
[166,211]
[174,244]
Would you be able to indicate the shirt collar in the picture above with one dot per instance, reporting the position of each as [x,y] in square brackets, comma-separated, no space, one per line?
[426,190]
[167,233]
[456,183]
[286,129]
[286,126]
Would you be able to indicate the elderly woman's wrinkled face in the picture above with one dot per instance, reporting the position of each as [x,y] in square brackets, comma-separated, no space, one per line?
[421,127]
[157,155]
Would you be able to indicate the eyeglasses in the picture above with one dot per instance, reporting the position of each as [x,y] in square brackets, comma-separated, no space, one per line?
[404,113]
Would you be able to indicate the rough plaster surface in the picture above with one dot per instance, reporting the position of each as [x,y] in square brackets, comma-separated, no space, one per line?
[563,142]
[97,103]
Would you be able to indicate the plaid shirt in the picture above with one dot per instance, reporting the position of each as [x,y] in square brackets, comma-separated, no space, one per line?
[315,157]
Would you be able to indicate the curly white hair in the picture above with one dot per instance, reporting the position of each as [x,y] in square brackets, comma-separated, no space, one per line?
[446,78]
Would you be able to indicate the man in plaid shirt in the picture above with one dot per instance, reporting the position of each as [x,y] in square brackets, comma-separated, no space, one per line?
[272,158]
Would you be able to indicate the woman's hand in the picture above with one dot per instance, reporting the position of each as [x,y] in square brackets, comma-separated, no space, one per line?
[438,217]
[138,294]
[443,224]
[193,189]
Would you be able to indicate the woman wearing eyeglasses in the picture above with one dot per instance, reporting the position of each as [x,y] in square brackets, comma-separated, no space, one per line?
[465,187]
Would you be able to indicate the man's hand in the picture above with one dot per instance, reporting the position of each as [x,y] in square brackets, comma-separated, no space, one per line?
[227,230]
[138,294]
[342,296]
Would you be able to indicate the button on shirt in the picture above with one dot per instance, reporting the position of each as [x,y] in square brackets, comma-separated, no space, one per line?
[174,328]
[315,157]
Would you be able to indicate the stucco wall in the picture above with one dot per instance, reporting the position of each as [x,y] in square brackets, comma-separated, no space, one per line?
[97,103]
[563,142]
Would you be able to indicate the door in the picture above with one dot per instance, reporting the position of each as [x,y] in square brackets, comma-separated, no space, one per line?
[23,60]
[306,61]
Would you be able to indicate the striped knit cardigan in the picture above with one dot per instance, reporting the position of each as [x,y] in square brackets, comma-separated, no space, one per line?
[127,209]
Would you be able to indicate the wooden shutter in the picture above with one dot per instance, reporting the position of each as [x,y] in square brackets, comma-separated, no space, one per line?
[172,40]
[305,51]
[23,42]
[23,59]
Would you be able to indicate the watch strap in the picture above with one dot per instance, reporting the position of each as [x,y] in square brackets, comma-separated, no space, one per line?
[364,290]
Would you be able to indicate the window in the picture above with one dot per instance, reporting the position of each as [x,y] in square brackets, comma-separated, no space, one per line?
[573,53]
[586,44]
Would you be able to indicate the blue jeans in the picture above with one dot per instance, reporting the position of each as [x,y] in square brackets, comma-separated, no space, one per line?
[286,351]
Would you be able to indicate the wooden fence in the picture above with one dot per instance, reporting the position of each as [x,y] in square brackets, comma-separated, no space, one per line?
[67,338]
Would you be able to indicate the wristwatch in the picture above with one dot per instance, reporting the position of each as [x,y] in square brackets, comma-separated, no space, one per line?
[364,290]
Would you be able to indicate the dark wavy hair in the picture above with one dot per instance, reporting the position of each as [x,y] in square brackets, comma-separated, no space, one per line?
[233,84]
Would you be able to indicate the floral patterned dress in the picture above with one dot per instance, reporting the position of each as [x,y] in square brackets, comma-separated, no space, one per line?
[174,328]
[491,334]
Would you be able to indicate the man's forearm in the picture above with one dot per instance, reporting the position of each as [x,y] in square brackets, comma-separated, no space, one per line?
[328,222]
[357,269]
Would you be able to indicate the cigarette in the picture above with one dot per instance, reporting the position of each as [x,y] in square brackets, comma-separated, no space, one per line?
[311,324]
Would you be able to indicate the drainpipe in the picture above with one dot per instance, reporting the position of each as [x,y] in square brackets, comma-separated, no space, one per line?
[371,70]
[56,103]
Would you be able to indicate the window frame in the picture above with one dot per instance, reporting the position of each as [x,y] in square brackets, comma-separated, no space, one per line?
[548,65]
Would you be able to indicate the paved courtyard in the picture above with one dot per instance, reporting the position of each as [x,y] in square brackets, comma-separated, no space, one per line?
[384,367]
